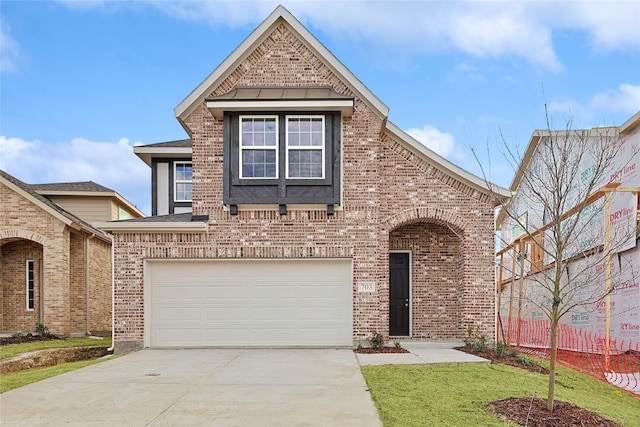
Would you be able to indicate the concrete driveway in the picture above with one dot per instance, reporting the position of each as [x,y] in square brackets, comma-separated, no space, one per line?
[230,387]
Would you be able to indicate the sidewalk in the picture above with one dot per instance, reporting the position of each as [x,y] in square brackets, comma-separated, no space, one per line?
[421,352]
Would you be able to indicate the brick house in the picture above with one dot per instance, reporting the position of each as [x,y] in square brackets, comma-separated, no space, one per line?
[55,266]
[298,215]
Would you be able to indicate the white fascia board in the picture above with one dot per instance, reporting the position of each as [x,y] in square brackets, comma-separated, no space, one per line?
[631,123]
[152,227]
[245,48]
[218,108]
[147,153]
[445,165]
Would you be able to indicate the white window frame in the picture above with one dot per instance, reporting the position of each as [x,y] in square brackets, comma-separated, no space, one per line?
[275,148]
[302,148]
[30,266]
[177,181]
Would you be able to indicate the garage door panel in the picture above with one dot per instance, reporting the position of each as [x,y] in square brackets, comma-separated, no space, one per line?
[173,292]
[225,290]
[178,314]
[249,303]
[222,314]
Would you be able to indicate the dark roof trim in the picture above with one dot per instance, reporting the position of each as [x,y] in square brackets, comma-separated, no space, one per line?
[318,98]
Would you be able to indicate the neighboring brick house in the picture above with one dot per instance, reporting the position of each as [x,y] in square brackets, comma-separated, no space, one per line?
[56,267]
[314,222]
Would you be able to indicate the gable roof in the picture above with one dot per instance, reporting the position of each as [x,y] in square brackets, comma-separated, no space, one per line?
[279,15]
[50,207]
[282,15]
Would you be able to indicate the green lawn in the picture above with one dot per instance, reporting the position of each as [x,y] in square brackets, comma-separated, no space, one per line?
[21,378]
[456,394]
[13,380]
[14,349]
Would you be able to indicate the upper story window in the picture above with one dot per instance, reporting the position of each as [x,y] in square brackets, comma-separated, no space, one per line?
[258,147]
[183,181]
[305,147]
[288,157]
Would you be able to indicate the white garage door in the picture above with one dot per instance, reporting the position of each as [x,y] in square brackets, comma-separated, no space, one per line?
[248,303]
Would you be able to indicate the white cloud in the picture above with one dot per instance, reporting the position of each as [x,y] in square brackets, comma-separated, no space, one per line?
[111,164]
[625,99]
[599,109]
[10,51]
[442,143]
[480,29]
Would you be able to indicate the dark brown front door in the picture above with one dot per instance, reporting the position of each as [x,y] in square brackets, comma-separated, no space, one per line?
[399,294]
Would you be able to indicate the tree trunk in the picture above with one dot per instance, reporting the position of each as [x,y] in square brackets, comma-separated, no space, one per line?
[553,356]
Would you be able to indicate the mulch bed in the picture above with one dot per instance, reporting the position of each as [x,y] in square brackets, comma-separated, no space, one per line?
[371,350]
[26,338]
[490,354]
[533,413]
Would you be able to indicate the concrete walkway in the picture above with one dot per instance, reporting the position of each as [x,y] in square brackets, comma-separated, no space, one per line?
[421,352]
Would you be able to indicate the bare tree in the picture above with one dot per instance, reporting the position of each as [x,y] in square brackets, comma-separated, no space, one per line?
[555,229]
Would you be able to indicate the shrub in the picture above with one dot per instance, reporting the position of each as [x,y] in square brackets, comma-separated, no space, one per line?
[376,340]
[42,329]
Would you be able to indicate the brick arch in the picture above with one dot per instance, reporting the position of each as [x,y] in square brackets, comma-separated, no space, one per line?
[428,214]
[12,234]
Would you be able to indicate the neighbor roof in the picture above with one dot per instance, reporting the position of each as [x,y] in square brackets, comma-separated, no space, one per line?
[84,188]
[89,186]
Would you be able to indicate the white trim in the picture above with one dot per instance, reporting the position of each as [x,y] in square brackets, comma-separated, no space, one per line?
[182,181]
[407,251]
[147,153]
[275,147]
[33,284]
[154,227]
[322,147]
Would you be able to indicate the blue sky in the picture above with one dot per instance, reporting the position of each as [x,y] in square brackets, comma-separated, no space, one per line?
[81,82]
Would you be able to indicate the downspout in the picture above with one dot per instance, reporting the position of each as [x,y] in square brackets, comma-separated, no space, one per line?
[113,294]
[86,282]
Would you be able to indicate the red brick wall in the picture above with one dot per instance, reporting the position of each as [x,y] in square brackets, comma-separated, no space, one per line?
[77,295]
[99,285]
[385,187]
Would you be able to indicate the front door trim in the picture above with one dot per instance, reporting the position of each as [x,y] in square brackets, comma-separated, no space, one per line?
[408,251]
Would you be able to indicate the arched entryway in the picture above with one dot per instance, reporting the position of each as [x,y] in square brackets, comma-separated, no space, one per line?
[426,279]
[21,278]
